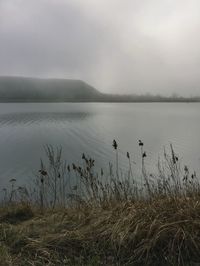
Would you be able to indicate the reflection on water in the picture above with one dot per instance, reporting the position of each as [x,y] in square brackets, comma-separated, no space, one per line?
[91,128]
[38,117]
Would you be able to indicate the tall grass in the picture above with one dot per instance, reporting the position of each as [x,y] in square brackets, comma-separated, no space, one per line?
[59,184]
[75,215]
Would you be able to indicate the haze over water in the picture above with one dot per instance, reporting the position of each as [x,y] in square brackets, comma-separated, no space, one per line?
[91,128]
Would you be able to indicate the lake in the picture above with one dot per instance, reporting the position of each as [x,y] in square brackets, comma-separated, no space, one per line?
[90,128]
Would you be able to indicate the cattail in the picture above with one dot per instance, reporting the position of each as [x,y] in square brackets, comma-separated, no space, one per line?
[144,155]
[68,168]
[74,166]
[114,144]
[128,155]
[83,156]
[43,172]
[141,143]
[101,172]
[12,180]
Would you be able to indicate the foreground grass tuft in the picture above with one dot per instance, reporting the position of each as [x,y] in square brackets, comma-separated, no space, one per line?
[161,232]
[16,213]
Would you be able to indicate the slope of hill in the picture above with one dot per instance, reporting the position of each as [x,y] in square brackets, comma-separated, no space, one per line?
[18,89]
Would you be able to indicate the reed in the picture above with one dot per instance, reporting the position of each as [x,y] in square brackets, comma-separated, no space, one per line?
[77,216]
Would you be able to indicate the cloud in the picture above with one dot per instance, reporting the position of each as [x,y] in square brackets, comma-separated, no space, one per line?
[119,46]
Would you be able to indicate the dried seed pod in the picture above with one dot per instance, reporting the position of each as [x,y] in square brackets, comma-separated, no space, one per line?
[101,172]
[43,172]
[144,155]
[114,144]
[13,180]
[141,143]
[68,168]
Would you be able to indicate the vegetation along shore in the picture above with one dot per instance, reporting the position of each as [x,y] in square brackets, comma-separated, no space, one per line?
[76,215]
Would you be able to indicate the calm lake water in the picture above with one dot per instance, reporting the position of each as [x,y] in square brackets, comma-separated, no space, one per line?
[91,128]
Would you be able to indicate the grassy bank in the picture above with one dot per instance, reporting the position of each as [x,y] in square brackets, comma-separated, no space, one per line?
[103,219]
[161,232]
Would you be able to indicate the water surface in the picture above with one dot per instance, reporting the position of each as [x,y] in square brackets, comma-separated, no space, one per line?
[90,128]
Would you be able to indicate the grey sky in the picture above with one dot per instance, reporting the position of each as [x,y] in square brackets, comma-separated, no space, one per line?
[118,46]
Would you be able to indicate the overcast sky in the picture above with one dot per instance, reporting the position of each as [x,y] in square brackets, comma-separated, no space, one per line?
[118,46]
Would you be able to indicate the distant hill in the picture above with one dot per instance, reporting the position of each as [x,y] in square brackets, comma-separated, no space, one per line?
[20,89]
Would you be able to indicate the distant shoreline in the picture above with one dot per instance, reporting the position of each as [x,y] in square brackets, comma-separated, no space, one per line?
[20,89]
[99,101]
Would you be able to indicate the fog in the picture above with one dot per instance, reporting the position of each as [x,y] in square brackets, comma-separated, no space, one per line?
[117,46]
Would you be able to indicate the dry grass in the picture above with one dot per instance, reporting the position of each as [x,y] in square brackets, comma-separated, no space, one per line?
[103,219]
[161,232]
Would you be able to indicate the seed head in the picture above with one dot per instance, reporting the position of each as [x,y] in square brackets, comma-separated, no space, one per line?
[115,144]
[101,172]
[141,143]
[12,180]
[43,172]
[68,168]
[144,155]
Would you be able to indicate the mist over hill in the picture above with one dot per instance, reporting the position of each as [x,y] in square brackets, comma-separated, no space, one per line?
[20,89]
